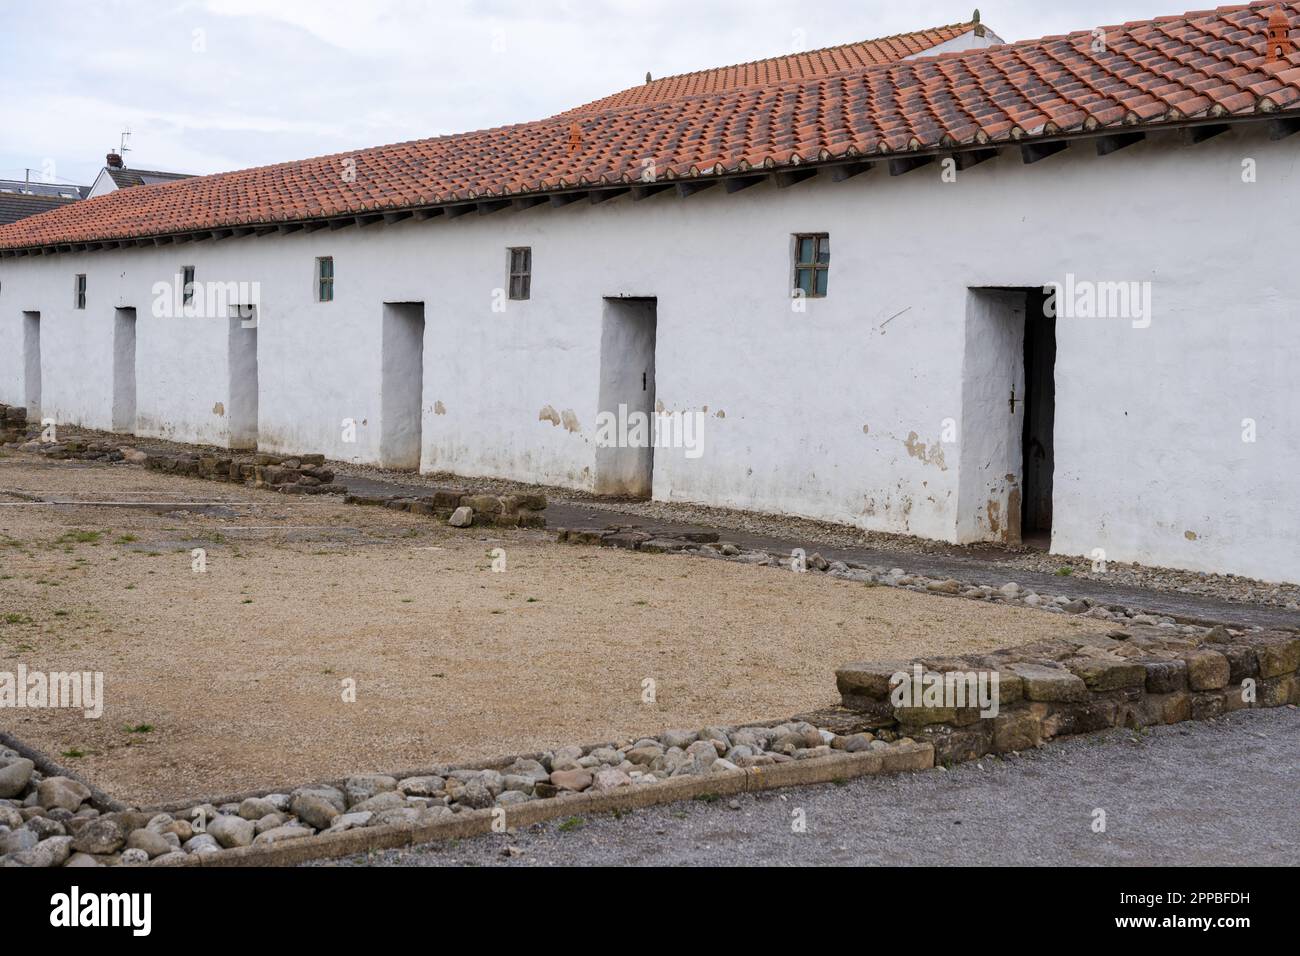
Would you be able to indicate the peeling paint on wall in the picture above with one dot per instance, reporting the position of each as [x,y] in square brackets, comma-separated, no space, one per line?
[439,408]
[548,414]
[993,511]
[219,409]
[570,420]
[918,449]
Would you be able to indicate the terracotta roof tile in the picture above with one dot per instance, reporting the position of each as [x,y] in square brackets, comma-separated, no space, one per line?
[1197,66]
[794,66]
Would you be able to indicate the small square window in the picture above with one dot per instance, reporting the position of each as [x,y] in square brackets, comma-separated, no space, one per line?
[80,302]
[187,285]
[521,272]
[325,279]
[812,264]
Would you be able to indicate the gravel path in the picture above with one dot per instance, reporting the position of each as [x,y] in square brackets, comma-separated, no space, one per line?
[1224,792]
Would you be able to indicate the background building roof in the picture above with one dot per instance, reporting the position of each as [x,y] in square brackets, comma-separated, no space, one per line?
[1210,66]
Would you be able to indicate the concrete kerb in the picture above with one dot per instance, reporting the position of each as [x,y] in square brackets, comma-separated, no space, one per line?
[438,770]
[473,823]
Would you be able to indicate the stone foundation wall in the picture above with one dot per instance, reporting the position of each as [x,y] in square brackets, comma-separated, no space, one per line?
[1135,679]
[13,424]
[463,509]
[288,474]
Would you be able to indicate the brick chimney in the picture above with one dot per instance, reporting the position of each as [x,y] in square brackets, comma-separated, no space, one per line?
[114,161]
[1279,37]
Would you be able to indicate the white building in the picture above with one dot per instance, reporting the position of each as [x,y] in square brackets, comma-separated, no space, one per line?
[115,175]
[474,304]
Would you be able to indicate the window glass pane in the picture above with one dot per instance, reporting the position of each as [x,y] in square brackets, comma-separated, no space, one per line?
[804,280]
[824,250]
[526,287]
[805,250]
[528,260]
[822,276]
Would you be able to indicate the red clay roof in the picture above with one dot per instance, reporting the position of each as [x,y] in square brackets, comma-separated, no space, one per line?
[796,66]
[1196,66]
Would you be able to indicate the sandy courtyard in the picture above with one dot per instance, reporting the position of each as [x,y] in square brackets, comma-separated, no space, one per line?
[233,678]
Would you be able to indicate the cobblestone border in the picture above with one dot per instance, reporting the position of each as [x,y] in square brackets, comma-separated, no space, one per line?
[903,758]
[710,545]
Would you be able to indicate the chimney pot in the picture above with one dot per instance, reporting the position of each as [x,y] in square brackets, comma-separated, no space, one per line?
[1279,37]
[114,161]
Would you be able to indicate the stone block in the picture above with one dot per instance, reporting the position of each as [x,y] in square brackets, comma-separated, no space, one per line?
[1107,673]
[1016,730]
[903,757]
[870,679]
[1242,661]
[1206,670]
[1278,691]
[482,504]
[955,744]
[1165,677]
[449,500]
[1207,704]
[1277,656]
[1079,718]
[1050,684]
[1234,699]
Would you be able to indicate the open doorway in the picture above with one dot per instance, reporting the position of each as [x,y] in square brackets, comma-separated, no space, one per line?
[1008,412]
[401,388]
[1037,447]
[242,384]
[625,458]
[124,371]
[32,364]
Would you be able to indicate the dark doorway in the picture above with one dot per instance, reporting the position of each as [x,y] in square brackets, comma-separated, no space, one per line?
[625,458]
[1040,414]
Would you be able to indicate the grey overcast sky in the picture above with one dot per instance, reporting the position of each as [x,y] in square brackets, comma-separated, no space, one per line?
[213,85]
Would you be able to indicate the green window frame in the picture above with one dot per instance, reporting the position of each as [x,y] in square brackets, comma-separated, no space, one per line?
[521,272]
[325,279]
[80,293]
[812,264]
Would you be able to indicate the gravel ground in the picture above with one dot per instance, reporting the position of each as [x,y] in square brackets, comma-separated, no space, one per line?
[1222,587]
[1032,560]
[229,680]
[1223,792]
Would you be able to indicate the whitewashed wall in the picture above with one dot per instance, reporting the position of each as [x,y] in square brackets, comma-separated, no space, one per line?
[808,413]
